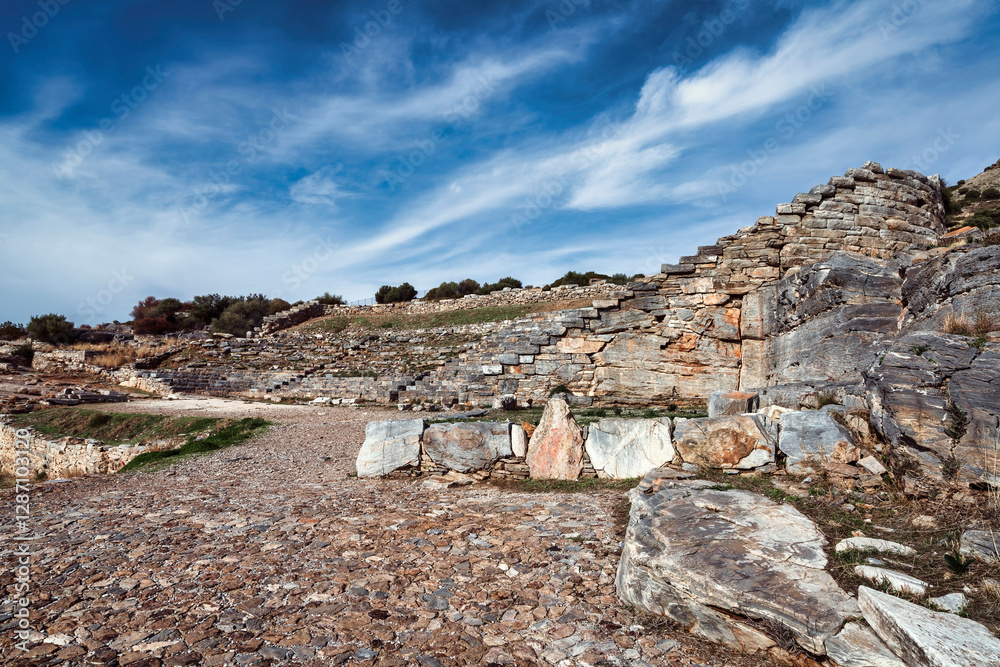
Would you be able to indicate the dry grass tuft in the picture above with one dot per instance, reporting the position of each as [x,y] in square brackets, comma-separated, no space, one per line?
[114,355]
[958,325]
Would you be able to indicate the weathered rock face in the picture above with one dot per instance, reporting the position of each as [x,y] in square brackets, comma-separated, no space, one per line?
[468,446]
[811,439]
[555,450]
[962,282]
[390,446]
[981,545]
[911,390]
[820,325]
[691,551]
[626,448]
[857,646]
[742,442]
[731,403]
[924,638]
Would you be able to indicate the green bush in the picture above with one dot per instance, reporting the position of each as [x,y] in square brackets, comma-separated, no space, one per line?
[11,331]
[25,352]
[331,299]
[972,194]
[961,182]
[985,219]
[991,193]
[962,191]
[401,294]
[583,279]
[489,288]
[51,328]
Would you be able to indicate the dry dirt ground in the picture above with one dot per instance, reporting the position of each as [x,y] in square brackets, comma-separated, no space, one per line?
[270,553]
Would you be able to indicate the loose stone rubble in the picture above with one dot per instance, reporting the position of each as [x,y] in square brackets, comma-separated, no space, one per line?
[270,554]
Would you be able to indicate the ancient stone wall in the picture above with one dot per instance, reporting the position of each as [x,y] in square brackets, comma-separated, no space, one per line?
[801,299]
[506,297]
[66,457]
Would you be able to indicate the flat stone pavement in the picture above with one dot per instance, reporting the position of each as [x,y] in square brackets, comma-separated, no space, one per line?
[270,554]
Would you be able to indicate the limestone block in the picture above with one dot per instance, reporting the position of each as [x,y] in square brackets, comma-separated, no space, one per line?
[924,638]
[691,549]
[389,446]
[469,446]
[555,450]
[730,403]
[812,438]
[742,442]
[627,448]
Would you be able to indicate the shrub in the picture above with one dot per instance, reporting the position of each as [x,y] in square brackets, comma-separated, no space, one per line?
[489,288]
[245,314]
[331,299]
[25,352]
[155,316]
[991,193]
[11,331]
[972,194]
[51,328]
[401,294]
[961,182]
[962,191]
[985,219]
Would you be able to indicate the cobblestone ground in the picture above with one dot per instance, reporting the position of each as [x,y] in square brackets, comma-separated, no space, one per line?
[269,553]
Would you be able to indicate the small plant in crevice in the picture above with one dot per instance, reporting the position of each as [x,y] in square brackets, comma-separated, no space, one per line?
[918,350]
[956,562]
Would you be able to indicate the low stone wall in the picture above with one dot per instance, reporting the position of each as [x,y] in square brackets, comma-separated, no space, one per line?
[507,297]
[76,360]
[65,457]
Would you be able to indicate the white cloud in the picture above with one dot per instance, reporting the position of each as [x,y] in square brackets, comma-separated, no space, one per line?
[320,187]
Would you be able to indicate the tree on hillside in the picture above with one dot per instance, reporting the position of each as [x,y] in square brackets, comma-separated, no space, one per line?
[331,299]
[489,288]
[11,331]
[51,328]
[401,294]
[246,313]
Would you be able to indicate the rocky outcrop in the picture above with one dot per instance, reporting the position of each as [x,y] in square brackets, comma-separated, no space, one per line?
[811,439]
[936,398]
[857,646]
[707,558]
[742,442]
[731,403]
[981,545]
[555,450]
[961,283]
[822,324]
[627,448]
[469,446]
[390,446]
[924,638]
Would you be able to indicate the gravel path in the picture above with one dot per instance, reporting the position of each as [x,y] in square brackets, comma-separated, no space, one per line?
[269,553]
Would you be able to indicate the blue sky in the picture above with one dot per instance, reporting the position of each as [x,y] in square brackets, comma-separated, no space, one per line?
[197,146]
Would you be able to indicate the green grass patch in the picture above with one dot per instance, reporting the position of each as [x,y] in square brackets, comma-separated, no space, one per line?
[404,321]
[589,485]
[113,428]
[229,435]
